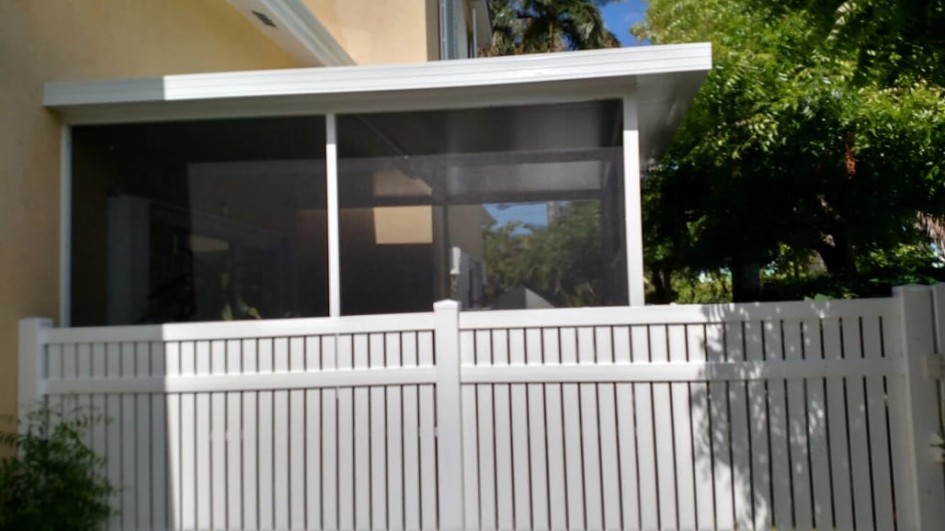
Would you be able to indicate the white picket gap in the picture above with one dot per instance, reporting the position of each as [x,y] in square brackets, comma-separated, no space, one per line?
[787,415]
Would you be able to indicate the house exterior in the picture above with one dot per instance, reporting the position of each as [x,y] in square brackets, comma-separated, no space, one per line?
[48,40]
[241,213]
[94,217]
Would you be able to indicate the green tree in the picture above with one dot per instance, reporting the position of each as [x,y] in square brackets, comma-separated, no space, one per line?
[530,26]
[813,133]
[55,481]
[562,262]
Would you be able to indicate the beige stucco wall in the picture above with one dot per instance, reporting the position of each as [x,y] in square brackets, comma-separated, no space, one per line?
[382,31]
[44,40]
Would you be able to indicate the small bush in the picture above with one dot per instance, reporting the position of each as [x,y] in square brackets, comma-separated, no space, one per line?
[54,481]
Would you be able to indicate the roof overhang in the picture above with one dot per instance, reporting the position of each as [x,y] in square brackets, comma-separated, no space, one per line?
[663,79]
[292,26]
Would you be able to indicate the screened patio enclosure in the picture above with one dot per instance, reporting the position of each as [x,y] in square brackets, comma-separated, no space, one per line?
[501,183]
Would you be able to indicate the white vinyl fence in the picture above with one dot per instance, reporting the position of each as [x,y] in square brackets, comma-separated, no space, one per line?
[794,415]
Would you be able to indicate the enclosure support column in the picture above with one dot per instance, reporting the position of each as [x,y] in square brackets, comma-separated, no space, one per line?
[65,225]
[331,189]
[919,419]
[633,203]
[449,427]
[31,362]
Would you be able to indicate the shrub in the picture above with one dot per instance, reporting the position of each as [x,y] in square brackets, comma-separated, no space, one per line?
[54,481]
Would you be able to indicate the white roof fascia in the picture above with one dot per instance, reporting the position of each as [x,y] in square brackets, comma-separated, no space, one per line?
[621,64]
[298,31]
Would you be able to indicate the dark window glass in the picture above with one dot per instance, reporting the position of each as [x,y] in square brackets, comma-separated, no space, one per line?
[511,207]
[195,221]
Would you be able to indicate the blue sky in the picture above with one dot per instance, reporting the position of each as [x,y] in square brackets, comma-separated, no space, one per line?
[618,16]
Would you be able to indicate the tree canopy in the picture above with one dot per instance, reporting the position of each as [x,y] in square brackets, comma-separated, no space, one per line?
[562,261]
[815,146]
[530,26]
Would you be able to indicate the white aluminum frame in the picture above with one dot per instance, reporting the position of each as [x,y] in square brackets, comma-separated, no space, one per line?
[633,202]
[65,225]
[639,77]
[333,213]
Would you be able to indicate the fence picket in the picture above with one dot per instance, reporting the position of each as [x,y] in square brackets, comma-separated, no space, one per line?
[158,468]
[329,432]
[740,429]
[878,432]
[346,436]
[557,495]
[363,492]
[428,455]
[797,400]
[295,455]
[626,436]
[265,445]
[411,434]
[470,435]
[503,437]
[856,418]
[378,436]
[607,419]
[837,430]
[250,422]
[574,470]
[701,432]
[664,435]
[114,451]
[535,400]
[590,431]
[394,437]
[484,446]
[817,430]
[520,444]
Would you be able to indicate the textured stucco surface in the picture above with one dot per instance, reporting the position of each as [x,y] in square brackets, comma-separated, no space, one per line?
[382,31]
[57,40]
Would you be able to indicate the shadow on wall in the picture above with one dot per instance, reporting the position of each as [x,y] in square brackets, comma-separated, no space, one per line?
[776,446]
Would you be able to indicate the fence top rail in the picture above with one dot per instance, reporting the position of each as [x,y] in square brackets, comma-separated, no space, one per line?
[234,330]
[415,322]
[678,314]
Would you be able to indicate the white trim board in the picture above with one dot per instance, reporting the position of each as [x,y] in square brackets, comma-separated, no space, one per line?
[664,79]
[297,31]
[621,63]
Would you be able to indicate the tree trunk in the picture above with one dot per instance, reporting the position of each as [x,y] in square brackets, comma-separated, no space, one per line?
[837,254]
[746,282]
[662,285]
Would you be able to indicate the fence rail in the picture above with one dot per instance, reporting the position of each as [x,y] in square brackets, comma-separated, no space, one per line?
[756,416]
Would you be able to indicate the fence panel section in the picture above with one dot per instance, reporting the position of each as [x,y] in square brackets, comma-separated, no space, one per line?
[748,416]
[797,415]
[225,430]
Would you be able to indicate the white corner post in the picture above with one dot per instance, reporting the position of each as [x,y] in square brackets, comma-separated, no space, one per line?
[65,225]
[449,427]
[331,191]
[919,419]
[31,363]
[633,200]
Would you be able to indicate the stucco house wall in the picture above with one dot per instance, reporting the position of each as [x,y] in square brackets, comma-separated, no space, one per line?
[382,31]
[46,40]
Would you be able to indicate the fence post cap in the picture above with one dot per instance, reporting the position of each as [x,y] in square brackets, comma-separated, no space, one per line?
[910,288]
[37,322]
[41,320]
[446,304]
